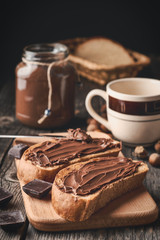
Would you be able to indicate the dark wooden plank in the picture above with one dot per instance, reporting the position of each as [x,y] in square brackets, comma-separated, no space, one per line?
[129,233]
[8,125]
[16,203]
[94,234]
[8,180]
[152,184]
[152,180]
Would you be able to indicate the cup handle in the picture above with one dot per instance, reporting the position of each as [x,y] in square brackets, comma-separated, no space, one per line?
[91,111]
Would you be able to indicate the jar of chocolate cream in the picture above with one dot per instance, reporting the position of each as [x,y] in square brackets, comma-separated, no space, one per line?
[45,86]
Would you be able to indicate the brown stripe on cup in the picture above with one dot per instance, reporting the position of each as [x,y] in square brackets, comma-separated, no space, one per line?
[134,108]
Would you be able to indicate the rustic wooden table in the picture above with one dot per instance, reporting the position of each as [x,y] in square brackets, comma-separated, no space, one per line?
[9,125]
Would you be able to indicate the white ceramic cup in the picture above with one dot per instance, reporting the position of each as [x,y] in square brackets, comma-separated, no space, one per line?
[133,109]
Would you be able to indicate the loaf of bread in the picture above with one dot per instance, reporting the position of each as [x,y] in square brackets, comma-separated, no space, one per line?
[44,160]
[79,190]
[104,51]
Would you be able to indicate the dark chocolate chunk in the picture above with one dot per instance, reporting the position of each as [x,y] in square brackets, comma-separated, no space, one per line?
[5,196]
[11,219]
[37,188]
[17,150]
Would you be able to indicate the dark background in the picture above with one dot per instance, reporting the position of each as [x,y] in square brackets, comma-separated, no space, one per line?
[133,25]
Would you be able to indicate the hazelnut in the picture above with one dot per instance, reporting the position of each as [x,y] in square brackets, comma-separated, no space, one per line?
[92,127]
[76,112]
[94,122]
[88,120]
[98,130]
[157,146]
[154,159]
[140,152]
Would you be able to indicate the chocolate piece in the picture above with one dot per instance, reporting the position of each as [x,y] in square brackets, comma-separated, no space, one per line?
[11,219]
[78,134]
[17,150]
[37,188]
[51,154]
[5,196]
[94,175]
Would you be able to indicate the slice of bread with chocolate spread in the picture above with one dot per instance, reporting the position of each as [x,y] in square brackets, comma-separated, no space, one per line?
[44,160]
[82,188]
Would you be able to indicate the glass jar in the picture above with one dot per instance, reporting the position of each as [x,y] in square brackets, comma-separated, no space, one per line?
[45,86]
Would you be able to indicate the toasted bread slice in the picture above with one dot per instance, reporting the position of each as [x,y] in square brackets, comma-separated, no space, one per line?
[28,170]
[71,205]
[105,51]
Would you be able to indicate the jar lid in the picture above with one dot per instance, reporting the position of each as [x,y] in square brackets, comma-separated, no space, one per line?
[45,52]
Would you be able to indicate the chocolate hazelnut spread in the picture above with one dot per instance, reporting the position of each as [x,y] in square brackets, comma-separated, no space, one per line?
[95,175]
[45,83]
[51,153]
[78,134]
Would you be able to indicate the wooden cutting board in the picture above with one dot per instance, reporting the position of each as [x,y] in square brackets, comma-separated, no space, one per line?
[134,208]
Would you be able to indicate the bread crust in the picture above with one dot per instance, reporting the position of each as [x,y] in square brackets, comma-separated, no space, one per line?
[79,208]
[27,171]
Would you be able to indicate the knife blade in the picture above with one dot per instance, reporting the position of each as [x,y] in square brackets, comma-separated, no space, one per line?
[31,136]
